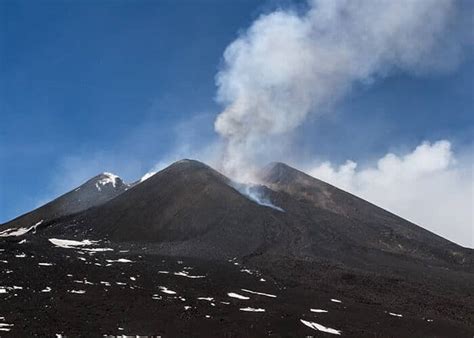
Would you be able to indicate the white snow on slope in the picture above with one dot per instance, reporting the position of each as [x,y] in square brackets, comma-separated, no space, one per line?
[120,260]
[259,293]
[251,309]
[209,299]
[336,300]
[236,295]
[187,275]
[395,314]
[109,178]
[318,310]
[71,244]
[319,327]
[92,250]
[5,327]
[164,289]
[19,231]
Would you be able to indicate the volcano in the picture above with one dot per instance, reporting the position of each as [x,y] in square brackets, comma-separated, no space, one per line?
[186,252]
[95,191]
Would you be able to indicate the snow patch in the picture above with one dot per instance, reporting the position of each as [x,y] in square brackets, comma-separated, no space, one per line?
[120,260]
[251,309]
[259,293]
[5,327]
[167,291]
[108,179]
[72,244]
[318,310]
[236,295]
[187,275]
[336,300]
[209,299]
[319,327]
[395,314]
[20,231]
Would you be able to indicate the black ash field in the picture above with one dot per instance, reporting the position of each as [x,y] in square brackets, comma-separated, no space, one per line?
[186,254]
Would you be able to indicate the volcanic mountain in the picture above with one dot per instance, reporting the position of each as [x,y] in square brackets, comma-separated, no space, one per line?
[95,191]
[309,235]
[191,209]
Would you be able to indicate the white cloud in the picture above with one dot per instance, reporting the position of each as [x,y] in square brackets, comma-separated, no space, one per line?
[429,186]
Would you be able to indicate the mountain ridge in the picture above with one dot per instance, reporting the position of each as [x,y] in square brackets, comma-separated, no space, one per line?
[189,208]
[95,191]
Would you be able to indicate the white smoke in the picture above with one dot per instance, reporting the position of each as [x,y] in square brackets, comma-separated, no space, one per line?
[255,193]
[429,186]
[289,64]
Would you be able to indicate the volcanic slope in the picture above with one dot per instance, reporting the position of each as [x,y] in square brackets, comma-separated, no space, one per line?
[356,224]
[95,191]
[187,209]
[192,210]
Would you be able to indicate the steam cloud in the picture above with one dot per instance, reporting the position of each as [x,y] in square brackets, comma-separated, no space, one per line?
[290,64]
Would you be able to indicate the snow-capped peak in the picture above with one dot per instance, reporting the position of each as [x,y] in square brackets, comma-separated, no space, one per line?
[106,179]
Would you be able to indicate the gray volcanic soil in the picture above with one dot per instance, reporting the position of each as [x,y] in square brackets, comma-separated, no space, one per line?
[327,244]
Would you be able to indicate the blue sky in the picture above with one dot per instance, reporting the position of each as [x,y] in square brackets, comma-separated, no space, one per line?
[92,86]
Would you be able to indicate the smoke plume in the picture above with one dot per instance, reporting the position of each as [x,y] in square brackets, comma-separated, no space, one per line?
[289,64]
